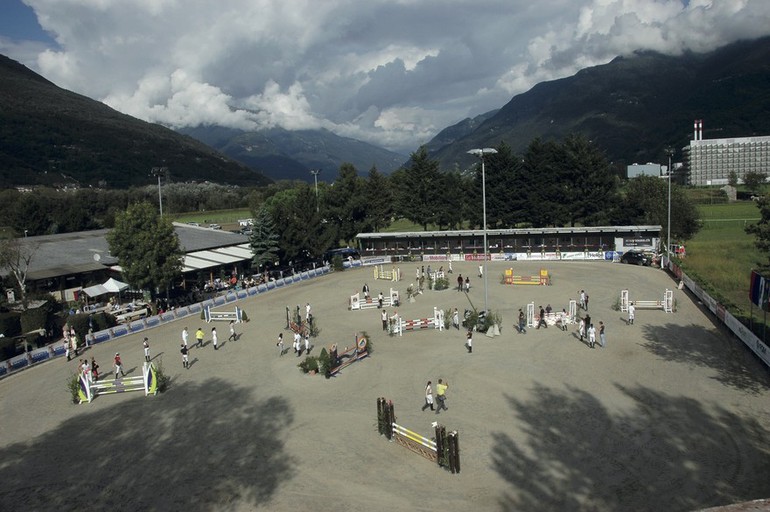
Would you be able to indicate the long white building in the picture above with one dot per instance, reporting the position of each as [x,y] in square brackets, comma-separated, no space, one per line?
[711,161]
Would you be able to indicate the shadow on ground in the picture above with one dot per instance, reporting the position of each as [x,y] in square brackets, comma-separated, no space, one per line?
[197,447]
[665,453]
[734,363]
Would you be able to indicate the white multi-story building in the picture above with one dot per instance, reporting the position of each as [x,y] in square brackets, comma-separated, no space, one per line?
[712,161]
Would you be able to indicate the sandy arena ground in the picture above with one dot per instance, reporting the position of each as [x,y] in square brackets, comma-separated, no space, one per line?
[672,415]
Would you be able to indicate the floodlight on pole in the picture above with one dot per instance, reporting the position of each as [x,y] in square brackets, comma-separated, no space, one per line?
[480,153]
[315,172]
[159,171]
[670,152]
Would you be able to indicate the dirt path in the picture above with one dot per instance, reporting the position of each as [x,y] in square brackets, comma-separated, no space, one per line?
[672,415]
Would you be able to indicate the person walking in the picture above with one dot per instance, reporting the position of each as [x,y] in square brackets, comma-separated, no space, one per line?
[602,337]
[441,395]
[307,343]
[199,335]
[481,271]
[428,397]
[467,284]
[384,318]
[522,323]
[582,299]
[118,366]
[214,338]
[307,311]
[185,336]
[232,336]
[469,341]
[185,356]
[449,269]
[591,336]
[456,319]
[586,302]
[582,328]
[587,323]
[280,344]
[146,346]
[631,313]
[541,320]
[365,291]
[380,300]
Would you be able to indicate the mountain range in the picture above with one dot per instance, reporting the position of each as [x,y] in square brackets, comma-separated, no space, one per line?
[631,108]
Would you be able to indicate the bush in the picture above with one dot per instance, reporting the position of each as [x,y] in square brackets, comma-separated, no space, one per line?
[164,381]
[244,316]
[337,263]
[441,283]
[369,344]
[309,364]
[73,385]
[324,362]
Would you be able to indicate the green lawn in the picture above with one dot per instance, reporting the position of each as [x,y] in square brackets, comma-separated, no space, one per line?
[723,254]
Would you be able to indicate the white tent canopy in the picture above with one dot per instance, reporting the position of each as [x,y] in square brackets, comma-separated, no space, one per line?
[114,286]
[110,286]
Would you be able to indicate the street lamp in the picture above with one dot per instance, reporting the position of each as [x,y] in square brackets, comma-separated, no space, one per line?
[480,153]
[159,171]
[670,152]
[315,172]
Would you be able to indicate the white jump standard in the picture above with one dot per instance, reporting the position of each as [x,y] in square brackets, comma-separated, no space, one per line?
[396,325]
[355,302]
[223,316]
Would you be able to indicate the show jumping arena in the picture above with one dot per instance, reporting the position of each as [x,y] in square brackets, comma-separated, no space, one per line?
[673,415]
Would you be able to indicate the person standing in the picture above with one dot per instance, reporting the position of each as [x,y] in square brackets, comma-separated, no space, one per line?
[582,328]
[481,271]
[631,313]
[428,397]
[146,346]
[118,366]
[232,336]
[441,395]
[214,337]
[467,284]
[297,344]
[460,282]
[522,323]
[588,323]
[185,336]
[602,338]
[380,300]
[449,269]
[94,369]
[185,356]
[307,343]
[541,320]
[582,299]
[307,311]
[456,319]
[365,291]
[199,335]
[469,341]
[384,318]
[586,302]
[280,344]
[591,335]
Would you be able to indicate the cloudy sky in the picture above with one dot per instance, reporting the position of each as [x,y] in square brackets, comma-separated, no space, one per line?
[390,72]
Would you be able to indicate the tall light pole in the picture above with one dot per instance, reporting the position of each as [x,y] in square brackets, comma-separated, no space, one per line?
[670,152]
[159,171]
[315,172]
[480,153]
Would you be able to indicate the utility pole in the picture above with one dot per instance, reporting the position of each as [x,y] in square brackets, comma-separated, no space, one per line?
[159,171]
[315,172]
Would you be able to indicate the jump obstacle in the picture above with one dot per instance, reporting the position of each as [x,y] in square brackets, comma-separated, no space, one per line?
[554,316]
[667,304]
[387,275]
[356,304]
[542,279]
[357,352]
[295,324]
[147,382]
[396,325]
[223,316]
[444,449]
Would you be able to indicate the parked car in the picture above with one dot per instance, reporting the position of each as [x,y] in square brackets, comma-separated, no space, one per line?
[635,258]
[215,226]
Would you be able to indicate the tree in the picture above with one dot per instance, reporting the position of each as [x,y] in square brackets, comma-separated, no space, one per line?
[732,179]
[761,231]
[264,239]
[345,203]
[593,190]
[147,247]
[16,255]
[646,202]
[419,189]
[754,181]
[379,201]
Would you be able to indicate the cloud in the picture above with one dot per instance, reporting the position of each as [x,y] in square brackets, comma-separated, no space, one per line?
[392,73]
